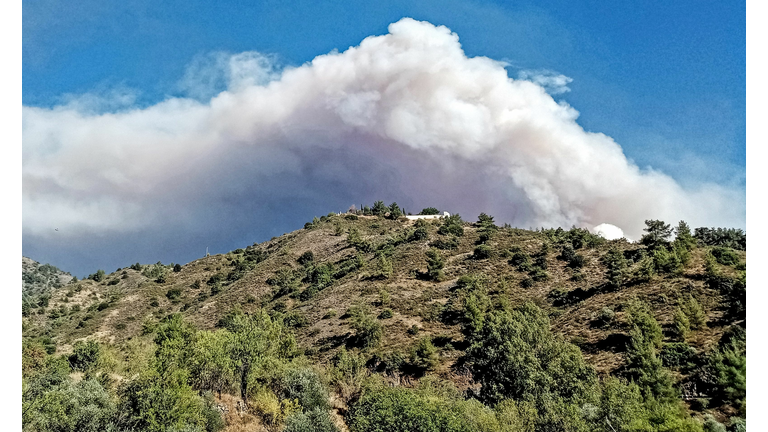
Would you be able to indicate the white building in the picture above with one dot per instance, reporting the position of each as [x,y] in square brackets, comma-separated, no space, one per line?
[437,216]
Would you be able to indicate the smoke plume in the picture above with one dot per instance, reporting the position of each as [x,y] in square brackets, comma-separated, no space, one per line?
[406,116]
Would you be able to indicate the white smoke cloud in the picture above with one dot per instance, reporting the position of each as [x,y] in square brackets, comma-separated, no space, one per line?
[608,231]
[551,81]
[406,115]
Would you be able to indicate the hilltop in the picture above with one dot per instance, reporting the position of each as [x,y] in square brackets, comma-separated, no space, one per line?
[39,279]
[402,294]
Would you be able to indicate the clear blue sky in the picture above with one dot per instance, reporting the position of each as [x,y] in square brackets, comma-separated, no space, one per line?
[667,80]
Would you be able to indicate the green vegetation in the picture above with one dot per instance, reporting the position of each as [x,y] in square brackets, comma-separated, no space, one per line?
[538,330]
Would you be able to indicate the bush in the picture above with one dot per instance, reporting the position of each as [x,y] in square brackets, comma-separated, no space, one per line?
[305,386]
[68,406]
[306,258]
[430,211]
[386,314]
[173,294]
[85,356]
[677,355]
[435,264]
[316,420]
[368,330]
[606,316]
[177,268]
[424,355]
[482,252]
[680,324]
[351,217]
[446,244]
[694,313]
[98,276]
[429,408]
[295,319]
[419,234]
[539,275]
[577,261]
[725,256]
[452,225]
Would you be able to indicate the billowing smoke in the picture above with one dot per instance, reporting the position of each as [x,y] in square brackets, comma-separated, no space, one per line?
[406,116]
[608,231]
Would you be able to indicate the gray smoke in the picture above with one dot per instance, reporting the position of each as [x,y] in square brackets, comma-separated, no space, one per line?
[406,116]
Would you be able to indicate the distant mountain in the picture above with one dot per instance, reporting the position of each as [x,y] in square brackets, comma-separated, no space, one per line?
[39,278]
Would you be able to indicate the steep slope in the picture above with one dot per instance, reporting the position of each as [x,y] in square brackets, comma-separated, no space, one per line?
[339,266]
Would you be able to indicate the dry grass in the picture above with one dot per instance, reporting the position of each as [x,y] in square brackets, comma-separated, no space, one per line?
[413,300]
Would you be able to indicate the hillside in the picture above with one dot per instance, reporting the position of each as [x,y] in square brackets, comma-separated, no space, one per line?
[37,279]
[420,286]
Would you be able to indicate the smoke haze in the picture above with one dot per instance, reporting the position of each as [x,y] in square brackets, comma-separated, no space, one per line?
[404,117]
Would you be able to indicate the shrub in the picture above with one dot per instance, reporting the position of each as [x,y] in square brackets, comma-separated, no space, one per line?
[616,266]
[424,355]
[295,319]
[450,243]
[85,356]
[98,276]
[680,324]
[173,293]
[606,315]
[518,258]
[419,233]
[642,354]
[177,268]
[567,253]
[526,283]
[368,330]
[539,275]
[306,258]
[725,256]
[435,264]
[330,313]
[316,420]
[305,386]
[677,355]
[430,211]
[379,208]
[515,355]
[386,313]
[577,261]
[394,211]
[452,225]
[695,314]
[482,252]
[69,406]
[432,407]
[351,217]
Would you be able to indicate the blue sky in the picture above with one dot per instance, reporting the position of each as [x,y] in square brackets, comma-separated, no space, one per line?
[665,80]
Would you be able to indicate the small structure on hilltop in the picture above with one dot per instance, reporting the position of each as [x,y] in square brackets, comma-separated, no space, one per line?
[437,216]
